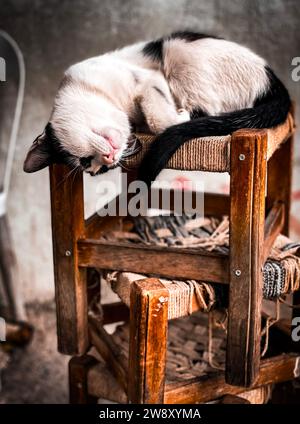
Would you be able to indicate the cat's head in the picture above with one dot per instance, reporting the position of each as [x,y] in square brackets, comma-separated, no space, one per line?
[85,130]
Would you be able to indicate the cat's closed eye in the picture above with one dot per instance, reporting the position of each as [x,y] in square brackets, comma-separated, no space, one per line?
[86,162]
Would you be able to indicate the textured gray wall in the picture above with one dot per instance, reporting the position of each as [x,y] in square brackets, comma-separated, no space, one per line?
[56,33]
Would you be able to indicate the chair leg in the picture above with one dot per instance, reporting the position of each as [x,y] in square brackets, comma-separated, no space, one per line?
[78,387]
[279,182]
[279,188]
[247,215]
[93,285]
[70,280]
[148,341]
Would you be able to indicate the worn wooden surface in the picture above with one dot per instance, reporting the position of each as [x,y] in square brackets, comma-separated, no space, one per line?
[166,262]
[214,203]
[18,334]
[115,312]
[274,370]
[279,181]
[102,384]
[95,225]
[70,280]
[233,400]
[273,226]
[109,351]
[278,369]
[79,367]
[148,341]
[93,280]
[247,189]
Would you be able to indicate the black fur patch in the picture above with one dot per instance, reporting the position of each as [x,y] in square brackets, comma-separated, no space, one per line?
[154,49]
[198,113]
[270,110]
[190,36]
[56,150]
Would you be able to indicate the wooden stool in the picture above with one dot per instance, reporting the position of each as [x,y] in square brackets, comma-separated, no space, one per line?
[258,207]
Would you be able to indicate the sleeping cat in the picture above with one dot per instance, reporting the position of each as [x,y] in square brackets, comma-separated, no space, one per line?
[182,86]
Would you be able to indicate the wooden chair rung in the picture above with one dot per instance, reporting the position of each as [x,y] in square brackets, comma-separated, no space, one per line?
[273,226]
[120,256]
[109,351]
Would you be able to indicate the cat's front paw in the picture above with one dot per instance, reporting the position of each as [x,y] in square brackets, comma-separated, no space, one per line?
[183,115]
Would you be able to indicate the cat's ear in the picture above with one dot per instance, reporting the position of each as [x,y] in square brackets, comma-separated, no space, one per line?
[39,155]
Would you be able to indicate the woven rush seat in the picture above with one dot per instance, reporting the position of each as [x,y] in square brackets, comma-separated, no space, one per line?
[206,153]
[281,272]
[197,359]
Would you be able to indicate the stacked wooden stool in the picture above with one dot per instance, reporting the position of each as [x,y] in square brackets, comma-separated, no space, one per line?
[132,367]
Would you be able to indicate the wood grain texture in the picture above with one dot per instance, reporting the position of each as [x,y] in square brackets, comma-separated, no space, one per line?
[279,181]
[79,367]
[278,369]
[70,280]
[273,225]
[165,262]
[247,189]
[214,203]
[115,312]
[109,351]
[204,389]
[103,385]
[148,341]
[95,225]
[233,400]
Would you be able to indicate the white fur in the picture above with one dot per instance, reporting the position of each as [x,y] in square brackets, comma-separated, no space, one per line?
[105,93]
[215,75]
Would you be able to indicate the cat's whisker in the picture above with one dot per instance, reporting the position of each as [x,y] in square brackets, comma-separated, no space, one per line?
[67,176]
[123,166]
[77,169]
[131,153]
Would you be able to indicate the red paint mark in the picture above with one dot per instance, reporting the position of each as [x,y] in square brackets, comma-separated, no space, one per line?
[295,224]
[182,183]
[296,195]
[224,188]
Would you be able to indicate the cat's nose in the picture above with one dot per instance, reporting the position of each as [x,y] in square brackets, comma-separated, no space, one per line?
[108,159]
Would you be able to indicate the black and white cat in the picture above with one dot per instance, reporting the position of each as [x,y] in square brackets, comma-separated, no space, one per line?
[182,86]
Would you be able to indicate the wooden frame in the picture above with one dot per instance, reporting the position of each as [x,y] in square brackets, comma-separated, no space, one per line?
[148,341]
[247,215]
[70,281]
[85,372]
[79,367]
[257,216]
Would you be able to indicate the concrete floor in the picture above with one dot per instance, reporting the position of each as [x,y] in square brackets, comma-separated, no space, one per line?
[38,373]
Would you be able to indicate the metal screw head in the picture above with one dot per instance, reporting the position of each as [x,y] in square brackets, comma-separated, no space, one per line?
[163,299]
[238,272]
[67,253]
[242,156]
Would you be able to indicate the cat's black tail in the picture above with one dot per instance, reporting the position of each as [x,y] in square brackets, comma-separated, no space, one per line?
[269,110]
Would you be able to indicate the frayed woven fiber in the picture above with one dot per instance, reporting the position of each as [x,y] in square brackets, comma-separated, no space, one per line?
[281,272]
[192,361]
[210,154]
